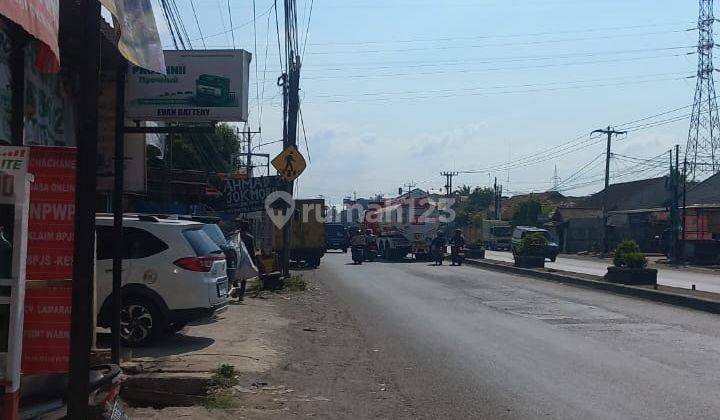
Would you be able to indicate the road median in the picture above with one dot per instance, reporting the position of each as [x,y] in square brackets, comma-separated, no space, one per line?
[702,301]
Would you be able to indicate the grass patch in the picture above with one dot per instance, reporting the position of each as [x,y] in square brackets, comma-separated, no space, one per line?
[295,283]
[221,402]
[225,376]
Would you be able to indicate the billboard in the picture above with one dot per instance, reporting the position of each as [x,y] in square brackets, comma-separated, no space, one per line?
[200,86]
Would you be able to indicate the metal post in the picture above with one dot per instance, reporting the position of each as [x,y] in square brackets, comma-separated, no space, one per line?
[248,166]
[118,211]
[85,17]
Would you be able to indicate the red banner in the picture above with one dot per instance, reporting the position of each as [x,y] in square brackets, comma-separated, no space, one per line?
[46,331]
[51,228]
[41,18]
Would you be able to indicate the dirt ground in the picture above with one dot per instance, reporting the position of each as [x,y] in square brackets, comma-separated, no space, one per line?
[324,369]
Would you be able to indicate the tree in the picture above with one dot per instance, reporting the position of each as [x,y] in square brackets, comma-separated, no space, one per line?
[473,208]
[213,152]
[464,190]
[526,213]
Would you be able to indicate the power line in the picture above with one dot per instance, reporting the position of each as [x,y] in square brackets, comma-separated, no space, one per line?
[307,28]
[197,22]
[504,44]
[232,29]
[520,35]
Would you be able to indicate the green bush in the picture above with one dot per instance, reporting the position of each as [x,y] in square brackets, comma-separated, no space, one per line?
[635,260]
[532,244]
[628,254]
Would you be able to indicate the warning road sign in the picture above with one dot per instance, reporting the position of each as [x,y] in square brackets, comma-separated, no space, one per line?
[290,163]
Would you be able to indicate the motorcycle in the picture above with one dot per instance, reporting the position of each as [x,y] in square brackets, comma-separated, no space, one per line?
[438,254]
[358,254]
[457,254]
[371,252]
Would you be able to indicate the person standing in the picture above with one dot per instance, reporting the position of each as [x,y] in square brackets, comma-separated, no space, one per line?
[249,241]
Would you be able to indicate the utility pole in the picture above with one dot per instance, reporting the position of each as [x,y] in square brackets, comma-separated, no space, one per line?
[495,199]
[448,182]
[684,209]
[609,132]
[290,83]
[410,186]
[247,139]
[673,186]
[676,206]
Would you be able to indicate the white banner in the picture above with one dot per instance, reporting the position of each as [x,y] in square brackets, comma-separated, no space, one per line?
[200,86]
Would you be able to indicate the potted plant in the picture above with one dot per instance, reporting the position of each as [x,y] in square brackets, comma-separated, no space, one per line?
[475,250]
[630,266]
[530,252]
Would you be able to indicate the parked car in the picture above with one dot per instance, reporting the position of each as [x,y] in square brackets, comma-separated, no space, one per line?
[337,236]
[550,250]
[173,273]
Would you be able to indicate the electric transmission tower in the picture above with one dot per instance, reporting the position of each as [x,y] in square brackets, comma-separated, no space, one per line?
[555,180]
[704,137]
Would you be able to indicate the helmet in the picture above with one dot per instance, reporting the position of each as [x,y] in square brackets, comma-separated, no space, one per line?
[458,231]
[441,233]
[368,231]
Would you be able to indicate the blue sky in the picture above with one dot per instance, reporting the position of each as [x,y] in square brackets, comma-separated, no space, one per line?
[397,91]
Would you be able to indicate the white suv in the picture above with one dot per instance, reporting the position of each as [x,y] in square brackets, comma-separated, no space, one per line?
[173,273]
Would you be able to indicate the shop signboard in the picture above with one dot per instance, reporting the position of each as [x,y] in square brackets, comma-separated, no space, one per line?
[200,86]
[248,195]
[51,228]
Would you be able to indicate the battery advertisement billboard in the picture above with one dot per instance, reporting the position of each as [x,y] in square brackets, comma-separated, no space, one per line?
[200,86]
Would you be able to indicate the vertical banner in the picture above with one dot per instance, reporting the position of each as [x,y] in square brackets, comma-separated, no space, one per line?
[51,226]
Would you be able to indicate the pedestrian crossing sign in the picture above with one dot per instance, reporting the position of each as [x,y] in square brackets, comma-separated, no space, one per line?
[290,163]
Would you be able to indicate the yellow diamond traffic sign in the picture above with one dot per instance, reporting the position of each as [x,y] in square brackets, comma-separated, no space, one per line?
[289,163]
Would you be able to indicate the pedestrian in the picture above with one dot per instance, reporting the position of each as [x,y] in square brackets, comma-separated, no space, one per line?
[249,241]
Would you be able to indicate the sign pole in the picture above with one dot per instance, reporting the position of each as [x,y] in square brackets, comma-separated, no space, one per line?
[118,210]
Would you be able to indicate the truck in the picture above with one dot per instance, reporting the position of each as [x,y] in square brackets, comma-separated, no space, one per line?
[307,232]
[496,235]
[403,225]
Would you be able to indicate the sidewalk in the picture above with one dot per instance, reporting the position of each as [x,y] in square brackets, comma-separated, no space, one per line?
[296,355]
[694,299]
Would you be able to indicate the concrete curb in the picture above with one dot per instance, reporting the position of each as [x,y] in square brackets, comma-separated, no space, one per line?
[700,304]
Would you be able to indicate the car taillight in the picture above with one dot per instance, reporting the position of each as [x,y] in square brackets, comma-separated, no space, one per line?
[203,264]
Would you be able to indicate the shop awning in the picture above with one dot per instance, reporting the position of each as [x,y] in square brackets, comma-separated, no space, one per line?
[40,18]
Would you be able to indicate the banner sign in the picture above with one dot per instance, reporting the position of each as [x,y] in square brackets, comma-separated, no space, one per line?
[48,115]
[139,39]
[51,230]
[248,195]
[41,18]
[200,86]
[135,150]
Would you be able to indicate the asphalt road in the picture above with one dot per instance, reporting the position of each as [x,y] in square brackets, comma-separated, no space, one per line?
[461,342]
[676,277]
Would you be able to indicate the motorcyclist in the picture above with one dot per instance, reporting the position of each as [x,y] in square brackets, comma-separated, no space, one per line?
[456,242]
[359,239]
[437,247]
[369,237]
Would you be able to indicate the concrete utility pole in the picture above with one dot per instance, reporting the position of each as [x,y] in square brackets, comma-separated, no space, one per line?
[290,83]
[410,186]
[609,132]
[448,182]
[675,209]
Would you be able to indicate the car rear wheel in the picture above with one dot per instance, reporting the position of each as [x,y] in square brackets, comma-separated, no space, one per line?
[140,321]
